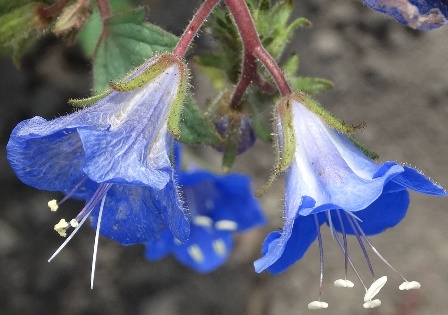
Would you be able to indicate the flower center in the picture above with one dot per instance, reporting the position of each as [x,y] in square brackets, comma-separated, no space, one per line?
[361,237]
[78,221]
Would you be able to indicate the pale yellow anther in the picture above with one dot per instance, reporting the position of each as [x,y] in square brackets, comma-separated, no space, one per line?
[74,223]
[410,285]
[317,305]
[202,220]
[372,303]
[374,289]
[61,227]
[343,283]
[195,252]
[226,225]
[53,205]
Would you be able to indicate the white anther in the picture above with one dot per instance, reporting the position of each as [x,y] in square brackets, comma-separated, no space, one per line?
[219,247]
[410,285]
[372,304]
[343,283]
[317,305]
[74,223]
[177,242]
[61,227]
[202,220]
[375,288]
[53,205]
[195,252]
[226,225]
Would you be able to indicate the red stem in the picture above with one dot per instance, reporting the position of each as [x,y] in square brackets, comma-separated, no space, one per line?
[253,46]
[105,10]
[53,9]
[192,29]
[247,76]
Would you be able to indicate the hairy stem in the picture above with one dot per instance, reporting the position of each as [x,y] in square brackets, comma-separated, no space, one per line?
[192,29]
[252,45]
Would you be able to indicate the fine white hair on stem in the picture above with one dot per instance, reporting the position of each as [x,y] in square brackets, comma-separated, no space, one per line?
[95,246]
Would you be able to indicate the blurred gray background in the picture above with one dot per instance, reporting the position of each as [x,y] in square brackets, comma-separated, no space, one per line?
[390,77]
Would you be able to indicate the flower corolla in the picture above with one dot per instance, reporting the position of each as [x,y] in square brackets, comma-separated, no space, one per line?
[220,205]
[418,14]
[116,150]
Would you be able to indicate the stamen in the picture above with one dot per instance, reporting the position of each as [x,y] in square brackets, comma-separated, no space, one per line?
[355,230]
[406,285]
[317,305]
[372,304]
[410,285]
[53,205]
[226,225]
[68,238]
[74,223]
[343,283]
[338,240]
[375,288]
[344,235]
[61,227]
[202,220]
[84,214]
[95,246]
[71,192]
[97,196]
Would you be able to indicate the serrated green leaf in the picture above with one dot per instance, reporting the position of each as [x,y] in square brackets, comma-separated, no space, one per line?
[128,42]
[195,127]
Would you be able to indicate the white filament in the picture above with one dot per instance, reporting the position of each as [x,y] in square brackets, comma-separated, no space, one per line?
[95,246]
[69,237]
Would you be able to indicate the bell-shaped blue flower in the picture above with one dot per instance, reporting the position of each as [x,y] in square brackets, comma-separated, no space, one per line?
[219,205]
[117,149]
[418,14]
[331,181]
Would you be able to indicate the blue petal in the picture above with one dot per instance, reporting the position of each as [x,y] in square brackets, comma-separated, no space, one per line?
[386,212]
[160,246]
[418,14]
[281,250]
[416,181]
[206,250]
[46,156]
[138,214]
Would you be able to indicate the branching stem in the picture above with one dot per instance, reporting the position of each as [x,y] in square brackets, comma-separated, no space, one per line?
[195,24]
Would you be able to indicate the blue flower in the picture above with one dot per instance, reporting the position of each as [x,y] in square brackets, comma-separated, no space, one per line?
[118,151]
[331,181]
[219,205]
[418,14]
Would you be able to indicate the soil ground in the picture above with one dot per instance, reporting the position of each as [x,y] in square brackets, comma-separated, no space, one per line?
[390,77]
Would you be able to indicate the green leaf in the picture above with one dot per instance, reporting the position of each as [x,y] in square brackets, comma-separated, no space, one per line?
[128,42]
[195,127]
[308,85]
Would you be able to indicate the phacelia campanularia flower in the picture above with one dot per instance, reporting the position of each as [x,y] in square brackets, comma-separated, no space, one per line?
[220,205]
[330,180]
[114,154]
[418,14]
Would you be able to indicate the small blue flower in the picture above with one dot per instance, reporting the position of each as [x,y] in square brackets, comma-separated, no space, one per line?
[117,150]
[331,181]
[219,206]
[418,14]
